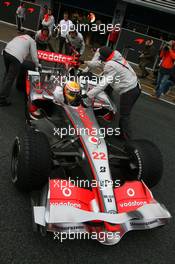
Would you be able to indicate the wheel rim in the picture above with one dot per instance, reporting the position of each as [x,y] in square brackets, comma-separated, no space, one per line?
[15,160]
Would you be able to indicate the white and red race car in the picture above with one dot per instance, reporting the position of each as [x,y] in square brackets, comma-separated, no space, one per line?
[83,182]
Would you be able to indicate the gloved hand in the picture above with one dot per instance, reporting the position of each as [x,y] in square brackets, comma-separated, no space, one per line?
[38,68]
[81,61]
[86,101]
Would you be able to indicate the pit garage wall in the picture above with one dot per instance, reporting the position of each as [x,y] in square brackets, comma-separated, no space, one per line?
[8,13]
[128,45]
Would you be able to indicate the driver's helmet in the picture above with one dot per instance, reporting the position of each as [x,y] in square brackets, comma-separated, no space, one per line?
[72,92]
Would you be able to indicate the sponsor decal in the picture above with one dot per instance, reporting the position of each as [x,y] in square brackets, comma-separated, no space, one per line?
[91,17]
[76,205]
[133,203]
[31,10]
[130,192]
[85,119]
[112,212]
[56,57]
[99,155]
[7,4]
[140,163]
[143,223]
[66,192]
[139,41]
[94,140]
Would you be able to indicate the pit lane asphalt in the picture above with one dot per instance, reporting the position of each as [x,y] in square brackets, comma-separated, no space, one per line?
[19,245]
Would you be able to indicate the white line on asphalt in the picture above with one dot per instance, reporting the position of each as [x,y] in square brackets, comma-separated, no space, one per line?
[160,99]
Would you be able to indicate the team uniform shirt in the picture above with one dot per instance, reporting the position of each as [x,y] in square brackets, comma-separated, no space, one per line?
[20,47]
[65,26]
[120,76]
[77,42]
[49,22]
[20,12]
[40,38]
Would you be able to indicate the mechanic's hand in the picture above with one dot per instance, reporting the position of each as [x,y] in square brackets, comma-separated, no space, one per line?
[81,61]
[141,56]
[86,101]
[38,68]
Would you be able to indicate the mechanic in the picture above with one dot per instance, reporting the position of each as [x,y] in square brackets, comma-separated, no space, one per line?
[42,38]
[14,55]
[121,77]
[147,57]
[49,20]
[63,29]
[75,42]
[20,16]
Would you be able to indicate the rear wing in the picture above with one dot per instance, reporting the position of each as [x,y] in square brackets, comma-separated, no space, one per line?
[58,58]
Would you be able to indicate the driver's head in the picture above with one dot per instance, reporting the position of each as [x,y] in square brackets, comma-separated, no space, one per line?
[72,92]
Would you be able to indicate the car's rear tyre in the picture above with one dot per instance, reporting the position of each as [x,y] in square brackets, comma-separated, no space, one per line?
[145,162]
[31,161]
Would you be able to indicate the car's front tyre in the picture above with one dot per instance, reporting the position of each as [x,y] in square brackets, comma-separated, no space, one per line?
[31,161]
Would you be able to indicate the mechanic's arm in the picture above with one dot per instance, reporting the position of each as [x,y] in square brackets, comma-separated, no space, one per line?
[37,37]
[47,23]
[172,54]
[108,78]
[18,11]
[33,53]
[162,53]
[94,62]
[82,46]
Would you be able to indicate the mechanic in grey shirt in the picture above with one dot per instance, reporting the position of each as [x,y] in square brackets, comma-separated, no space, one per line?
[121,77]
[74,41]
[14,55]
[20,16]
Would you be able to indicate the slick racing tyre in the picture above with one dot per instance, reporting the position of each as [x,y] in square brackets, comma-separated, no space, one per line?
[145,162]
[31,161]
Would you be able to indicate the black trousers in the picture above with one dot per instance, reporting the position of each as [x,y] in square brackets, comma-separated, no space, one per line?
[142,65]
[12,66]
[127,101]
[19,22]
[21,79]
[62,43]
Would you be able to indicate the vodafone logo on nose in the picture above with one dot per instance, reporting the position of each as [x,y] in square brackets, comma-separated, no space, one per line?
[130,192]
[67,192]
[94,140]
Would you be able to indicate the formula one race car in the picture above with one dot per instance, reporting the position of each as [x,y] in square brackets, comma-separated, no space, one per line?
[81,181]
